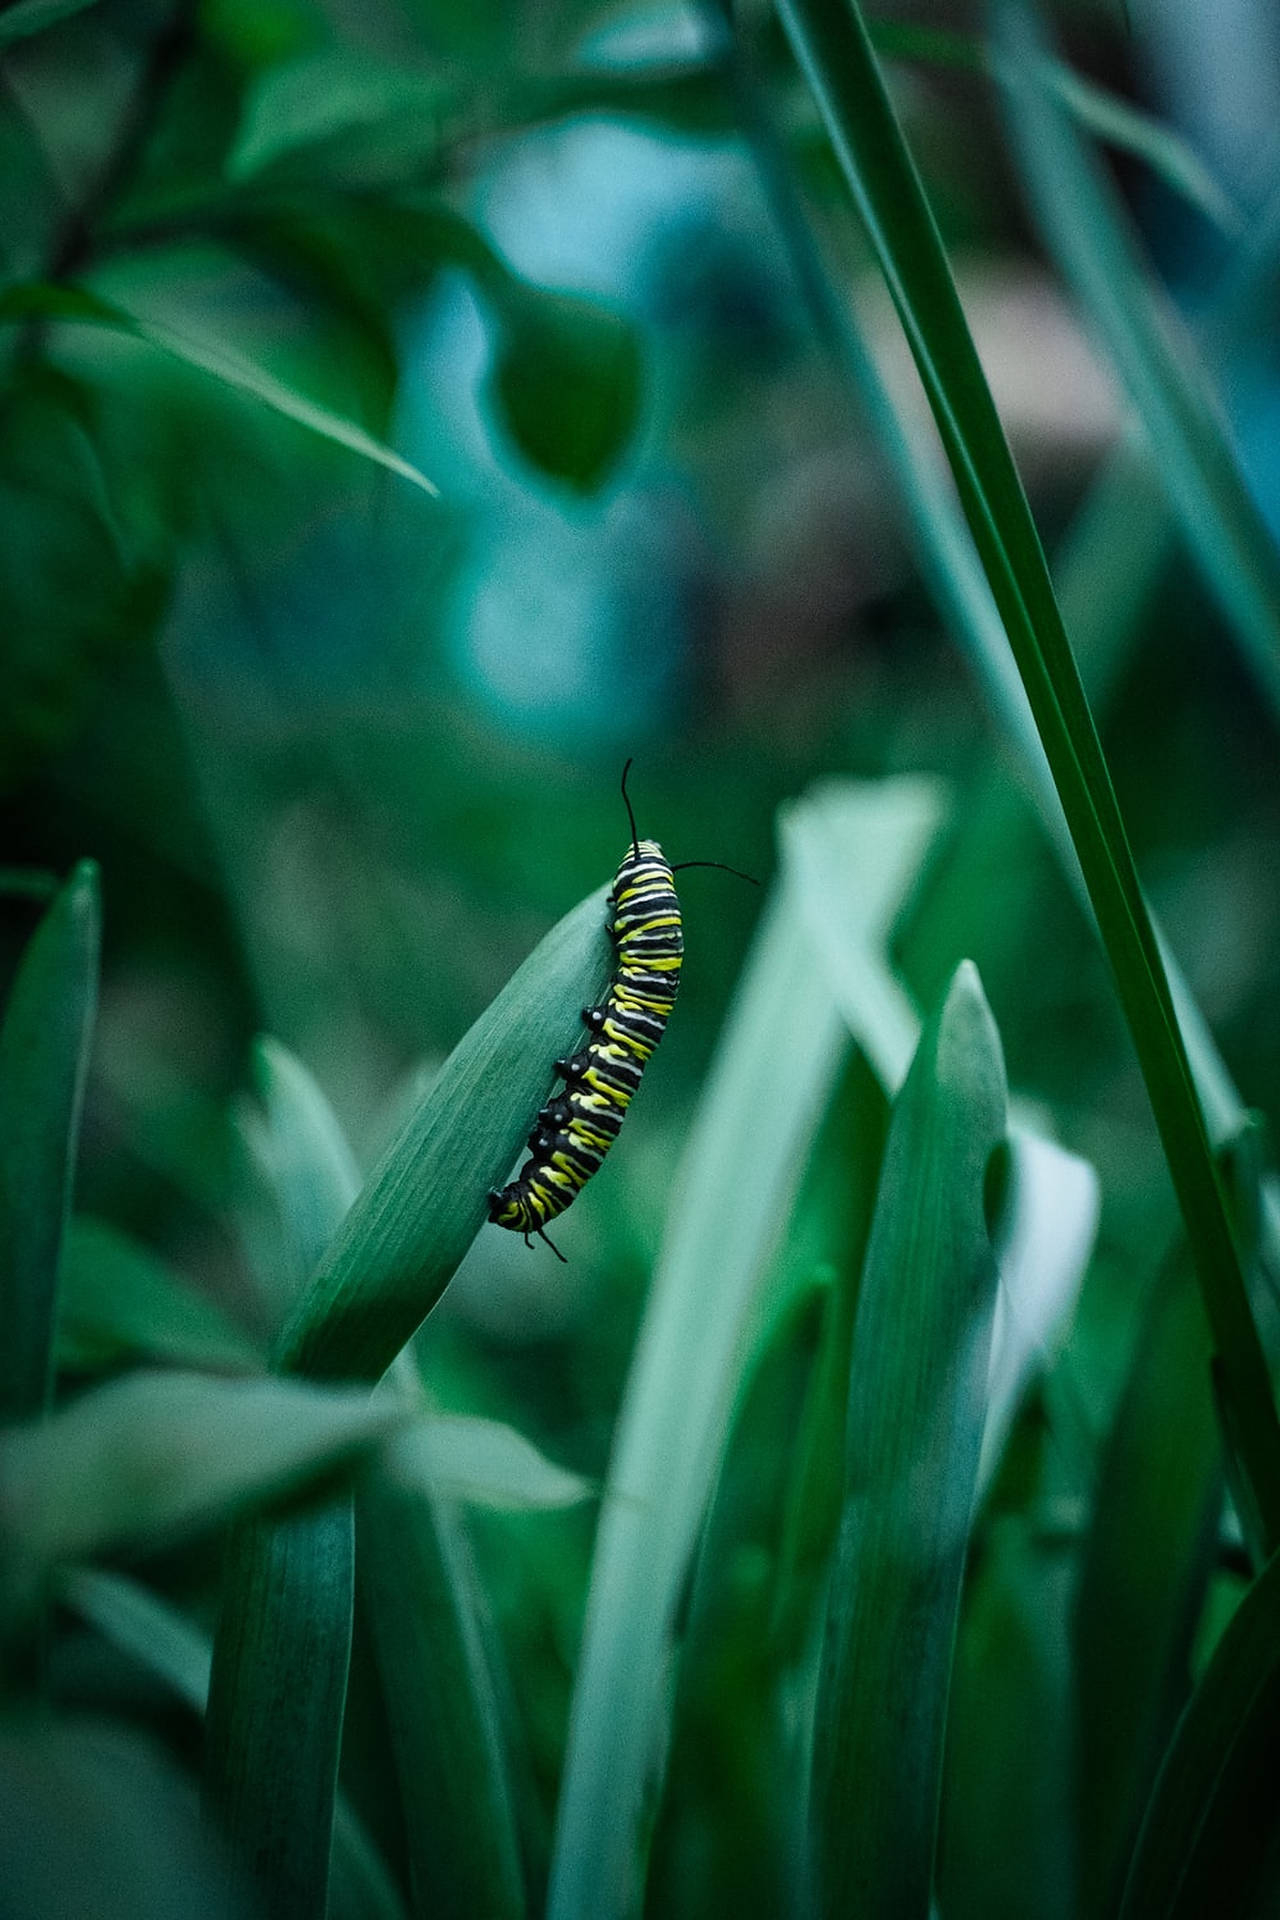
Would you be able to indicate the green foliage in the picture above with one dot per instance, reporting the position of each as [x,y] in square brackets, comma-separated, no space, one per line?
[876,1510]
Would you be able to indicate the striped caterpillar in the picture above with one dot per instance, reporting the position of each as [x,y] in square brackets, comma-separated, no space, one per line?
[575,1129]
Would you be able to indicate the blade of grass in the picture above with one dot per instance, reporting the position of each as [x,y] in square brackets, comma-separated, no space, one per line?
[466,1458]
[77,305]
[277,1692]
[778,1061]
[831,44]
[1212,1811]
[916,1409]
[44,1051]
[1170,392]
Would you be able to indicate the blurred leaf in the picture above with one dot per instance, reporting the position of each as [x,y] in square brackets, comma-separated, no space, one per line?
[1167,387]
[44,1052]
[25,17]
[1143,1577]
[463,1457]
[150,1456]
[779,1057]
[277,1690]
[35,300]
[1043,1242]
[917,1403]
[1211,1821]
[1008,1814]
[417,1592]
[329,99]
[831,45]
[168,1645]
[424,1202]
[1103,113]
[566,383]
[302,1154]
[886,835]
[119,1303]
[94,1820]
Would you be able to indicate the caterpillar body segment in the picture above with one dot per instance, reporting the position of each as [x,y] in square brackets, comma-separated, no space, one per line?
[576,1128]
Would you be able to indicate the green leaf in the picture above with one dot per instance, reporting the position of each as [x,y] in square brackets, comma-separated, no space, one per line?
[44,1051]
[119,1303]
[1211,1820]
[152,1456]
[566,383]
[462,1457]
[917,1404]
[778,1061]
[26,17]
[277,1691]
[418,1595]
[336,100]
[1143,1577]
[1168,389]
[830,41]
[168,1645]
[424,1202]
[35,300]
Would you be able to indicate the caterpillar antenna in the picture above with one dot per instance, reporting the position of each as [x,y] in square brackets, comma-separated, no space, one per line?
[635,837]
[736,871]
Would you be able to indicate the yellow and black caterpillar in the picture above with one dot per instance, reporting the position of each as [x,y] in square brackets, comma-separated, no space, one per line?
[575,1130]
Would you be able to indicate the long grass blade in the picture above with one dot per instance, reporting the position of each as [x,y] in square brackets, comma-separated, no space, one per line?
[830,41]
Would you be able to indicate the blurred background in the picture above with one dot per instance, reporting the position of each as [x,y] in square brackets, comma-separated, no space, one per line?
[345,749]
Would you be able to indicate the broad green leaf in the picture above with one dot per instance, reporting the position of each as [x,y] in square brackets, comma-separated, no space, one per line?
[1210,1827]
[26,17]
[168,1645]
[151,1456]
[830,41]
[417,1593]
[76,304]
[1142,1579]
[118,1303]
[778,1060]
[1168,389]
[277,1690]
[462,1457]
[94,1819]
[424,1202]
[917,1404]
[44,1051]
[566,383]
[329,99]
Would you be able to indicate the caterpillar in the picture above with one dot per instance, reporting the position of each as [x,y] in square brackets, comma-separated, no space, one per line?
[576,1128]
